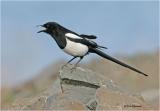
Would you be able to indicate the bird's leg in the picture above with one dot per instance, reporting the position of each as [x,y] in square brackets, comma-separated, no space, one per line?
[74,67]
[78,61]
[68,62]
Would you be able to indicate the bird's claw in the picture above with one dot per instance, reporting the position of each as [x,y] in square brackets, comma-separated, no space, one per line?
[73,69]
[65,65]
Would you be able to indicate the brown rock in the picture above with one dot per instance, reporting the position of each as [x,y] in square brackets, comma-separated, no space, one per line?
[111,100]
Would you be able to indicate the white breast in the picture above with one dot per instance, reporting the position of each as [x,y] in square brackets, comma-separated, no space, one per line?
[75,49]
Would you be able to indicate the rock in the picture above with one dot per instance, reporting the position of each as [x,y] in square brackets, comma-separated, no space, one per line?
[92,104]
[83,77]
[62,102]
[110,100]
[37,104]
[83,89]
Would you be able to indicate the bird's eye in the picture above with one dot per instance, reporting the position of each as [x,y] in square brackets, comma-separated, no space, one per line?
[47,25]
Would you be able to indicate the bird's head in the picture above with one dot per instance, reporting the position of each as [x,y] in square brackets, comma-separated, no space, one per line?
[50,27]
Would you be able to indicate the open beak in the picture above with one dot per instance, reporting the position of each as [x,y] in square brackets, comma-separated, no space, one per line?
[41,30]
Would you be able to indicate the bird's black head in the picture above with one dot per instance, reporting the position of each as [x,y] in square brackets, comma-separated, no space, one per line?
[50,27]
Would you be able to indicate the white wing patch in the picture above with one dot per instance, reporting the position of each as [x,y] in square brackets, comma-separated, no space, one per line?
[72,36]
[75,49]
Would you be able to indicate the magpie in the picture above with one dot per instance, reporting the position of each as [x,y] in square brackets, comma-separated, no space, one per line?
[78,45]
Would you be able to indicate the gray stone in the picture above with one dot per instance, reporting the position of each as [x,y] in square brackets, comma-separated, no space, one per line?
[83,89]
[82,76]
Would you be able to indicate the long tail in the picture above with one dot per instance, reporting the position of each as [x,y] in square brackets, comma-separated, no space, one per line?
[102,54]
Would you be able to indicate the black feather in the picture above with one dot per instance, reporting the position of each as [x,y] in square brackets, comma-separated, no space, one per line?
[102,54]
[88,36]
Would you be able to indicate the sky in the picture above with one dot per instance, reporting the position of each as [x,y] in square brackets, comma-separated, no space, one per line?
[124,27]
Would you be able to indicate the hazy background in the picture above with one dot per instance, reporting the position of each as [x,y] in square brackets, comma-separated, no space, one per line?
[126,28]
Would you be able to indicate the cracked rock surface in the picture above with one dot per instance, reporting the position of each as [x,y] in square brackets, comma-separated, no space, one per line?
[84,89]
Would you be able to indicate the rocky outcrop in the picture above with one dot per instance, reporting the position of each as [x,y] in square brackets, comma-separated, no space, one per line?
[83,89]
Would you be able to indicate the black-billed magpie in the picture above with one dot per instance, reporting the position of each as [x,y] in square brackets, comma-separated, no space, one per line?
[78,45]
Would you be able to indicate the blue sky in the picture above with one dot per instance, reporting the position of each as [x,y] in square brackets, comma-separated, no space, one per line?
[124,27]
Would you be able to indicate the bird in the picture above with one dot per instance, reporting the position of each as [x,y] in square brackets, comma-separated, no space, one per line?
[79,45]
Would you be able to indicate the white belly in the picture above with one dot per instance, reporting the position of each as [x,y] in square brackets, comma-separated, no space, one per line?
[75,49]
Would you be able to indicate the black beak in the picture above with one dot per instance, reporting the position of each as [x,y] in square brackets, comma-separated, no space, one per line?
[41,30]
[39,25]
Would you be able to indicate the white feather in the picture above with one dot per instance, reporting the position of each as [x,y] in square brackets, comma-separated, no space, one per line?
[72,36]
[75,49]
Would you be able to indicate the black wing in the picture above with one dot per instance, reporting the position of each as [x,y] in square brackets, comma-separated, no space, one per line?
[88,36]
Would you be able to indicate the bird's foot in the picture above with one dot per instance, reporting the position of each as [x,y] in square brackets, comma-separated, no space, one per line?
[73,69]
[65,65]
